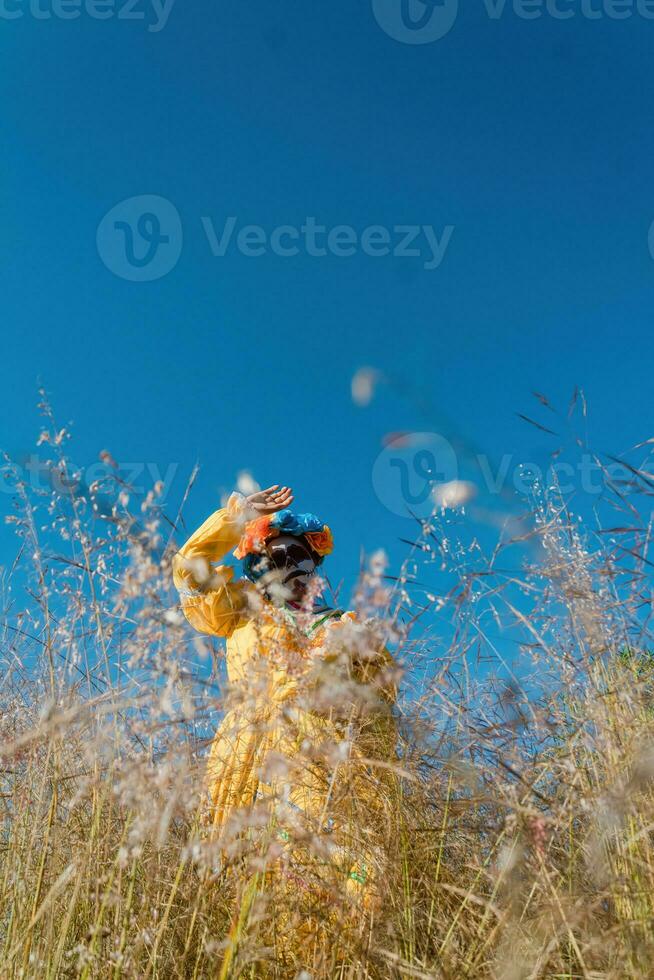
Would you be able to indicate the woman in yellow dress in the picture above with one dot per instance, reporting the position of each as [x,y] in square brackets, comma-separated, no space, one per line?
[304,755]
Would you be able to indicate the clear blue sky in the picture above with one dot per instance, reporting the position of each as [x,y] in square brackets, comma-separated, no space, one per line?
[533,138]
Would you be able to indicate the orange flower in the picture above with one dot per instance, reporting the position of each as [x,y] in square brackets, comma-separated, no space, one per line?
[255,535]
[322,542]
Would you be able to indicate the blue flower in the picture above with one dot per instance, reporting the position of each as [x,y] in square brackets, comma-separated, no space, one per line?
[287,522]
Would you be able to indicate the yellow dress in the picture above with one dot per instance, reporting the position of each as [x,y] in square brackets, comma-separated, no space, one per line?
[308,726]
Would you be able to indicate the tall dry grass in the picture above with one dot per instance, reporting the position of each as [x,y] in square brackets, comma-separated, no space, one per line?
[520,839]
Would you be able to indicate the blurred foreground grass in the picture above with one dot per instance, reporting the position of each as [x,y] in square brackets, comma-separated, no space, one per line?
[522,841]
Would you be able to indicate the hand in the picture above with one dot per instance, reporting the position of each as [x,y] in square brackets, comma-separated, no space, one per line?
[271,500]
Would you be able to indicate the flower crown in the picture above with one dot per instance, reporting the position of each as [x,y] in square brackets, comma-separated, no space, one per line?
[258,532]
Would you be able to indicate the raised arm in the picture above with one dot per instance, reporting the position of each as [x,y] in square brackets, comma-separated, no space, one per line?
[211,601]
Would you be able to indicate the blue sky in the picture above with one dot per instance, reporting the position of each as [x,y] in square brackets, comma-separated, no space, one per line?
[532,139]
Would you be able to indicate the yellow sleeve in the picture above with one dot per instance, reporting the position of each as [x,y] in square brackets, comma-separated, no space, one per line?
[211,601]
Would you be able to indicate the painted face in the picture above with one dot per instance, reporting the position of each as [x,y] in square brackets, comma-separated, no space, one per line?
[293,560]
